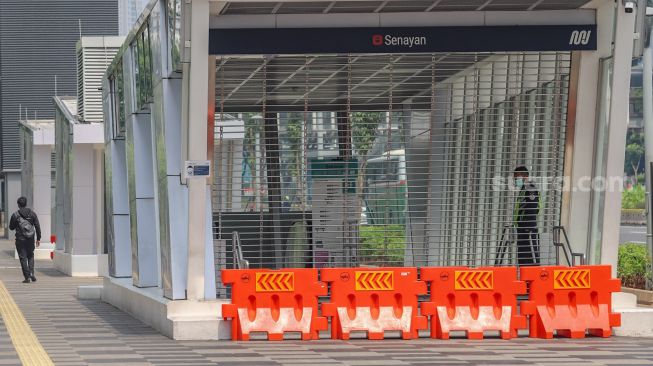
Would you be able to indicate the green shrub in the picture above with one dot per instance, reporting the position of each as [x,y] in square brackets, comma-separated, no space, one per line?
[633,211]
[634,198]
[382,244]
[633,265]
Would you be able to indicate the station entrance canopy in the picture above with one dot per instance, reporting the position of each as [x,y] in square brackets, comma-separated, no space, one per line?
[387,146]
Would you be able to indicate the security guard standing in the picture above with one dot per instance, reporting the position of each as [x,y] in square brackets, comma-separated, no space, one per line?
[525,219]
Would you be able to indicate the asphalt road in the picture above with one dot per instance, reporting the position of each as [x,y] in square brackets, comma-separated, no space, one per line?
[632,234]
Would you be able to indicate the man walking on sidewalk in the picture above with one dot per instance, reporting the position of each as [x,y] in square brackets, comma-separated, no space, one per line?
[27,226]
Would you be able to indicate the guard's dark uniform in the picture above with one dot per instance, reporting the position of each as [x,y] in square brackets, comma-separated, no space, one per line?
[527,207]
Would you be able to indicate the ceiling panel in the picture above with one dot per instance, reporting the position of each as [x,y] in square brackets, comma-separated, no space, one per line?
[307,7]
[560,4]
[356,6]
[331,81]
[406,6]
[359,6]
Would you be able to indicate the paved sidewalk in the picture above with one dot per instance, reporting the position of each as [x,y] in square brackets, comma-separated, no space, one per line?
[84,332]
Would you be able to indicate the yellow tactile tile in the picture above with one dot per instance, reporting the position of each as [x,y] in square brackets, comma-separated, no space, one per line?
[27,346]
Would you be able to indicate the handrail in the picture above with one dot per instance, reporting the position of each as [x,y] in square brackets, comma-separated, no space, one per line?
[239,260]
[570,256]
[503,246]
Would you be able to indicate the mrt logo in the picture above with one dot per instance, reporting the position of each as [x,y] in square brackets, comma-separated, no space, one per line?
[377,40]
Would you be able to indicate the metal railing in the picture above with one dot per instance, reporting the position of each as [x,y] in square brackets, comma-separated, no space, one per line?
[570,256]
[239,260]
[504,245]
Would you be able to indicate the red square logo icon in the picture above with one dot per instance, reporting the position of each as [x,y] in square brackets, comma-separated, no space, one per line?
[377,40]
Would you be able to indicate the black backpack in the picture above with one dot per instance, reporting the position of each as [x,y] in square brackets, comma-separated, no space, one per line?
[26,226]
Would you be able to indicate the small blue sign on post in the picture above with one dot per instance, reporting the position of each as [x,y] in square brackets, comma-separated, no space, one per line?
[197,169]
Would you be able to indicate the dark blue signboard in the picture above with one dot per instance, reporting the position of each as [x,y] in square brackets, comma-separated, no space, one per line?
[201,171]
[402,39]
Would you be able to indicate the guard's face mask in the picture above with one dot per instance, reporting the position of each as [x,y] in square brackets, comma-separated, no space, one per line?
[519,182]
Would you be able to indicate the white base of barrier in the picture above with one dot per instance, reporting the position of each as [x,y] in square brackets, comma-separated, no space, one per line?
[40,253]
[635,321]
[178,319]
[76,265]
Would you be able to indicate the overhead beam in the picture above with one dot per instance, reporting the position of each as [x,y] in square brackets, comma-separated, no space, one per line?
[218,7]
[277,7]
[247,79]
[535,5]
[484,5]
[319,85]
[435,3]
[292,75]
[329,7]
[377,72]
[407,19]
[381,6]
[393,86]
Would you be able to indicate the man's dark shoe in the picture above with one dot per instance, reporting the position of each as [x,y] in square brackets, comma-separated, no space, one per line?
[33,278]
[26,280]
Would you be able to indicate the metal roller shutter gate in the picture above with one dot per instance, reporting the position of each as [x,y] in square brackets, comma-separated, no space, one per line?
[385,159]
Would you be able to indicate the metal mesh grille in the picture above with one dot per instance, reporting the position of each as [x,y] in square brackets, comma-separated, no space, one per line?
[376,160]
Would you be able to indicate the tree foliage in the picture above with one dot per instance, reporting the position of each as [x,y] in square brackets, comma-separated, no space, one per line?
[634,158]
[635,153]
[294,139]
[253,128]
[363,128]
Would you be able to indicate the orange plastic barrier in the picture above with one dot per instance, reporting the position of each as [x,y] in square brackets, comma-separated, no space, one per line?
[374,300]
[570,300]
[473,300]
[274,302]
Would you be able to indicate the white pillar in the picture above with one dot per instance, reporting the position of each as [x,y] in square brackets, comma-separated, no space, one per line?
[172,195]
[616,142]
[83,210]
[144,235]
[42,192]
[577,217]
[197,148]
[98,197]
[120,255]
[13,191]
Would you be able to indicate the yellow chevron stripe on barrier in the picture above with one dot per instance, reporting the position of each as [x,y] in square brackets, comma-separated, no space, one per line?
[374,281]
[474,280]
[571,279]
[275,282]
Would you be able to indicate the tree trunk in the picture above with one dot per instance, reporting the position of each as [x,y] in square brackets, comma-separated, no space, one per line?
[360,185]
[300,181]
